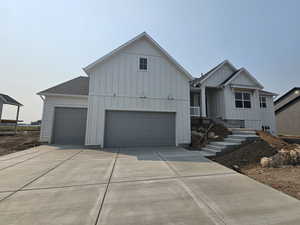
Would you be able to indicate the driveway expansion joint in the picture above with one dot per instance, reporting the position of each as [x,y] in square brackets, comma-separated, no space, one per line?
[24,160]
[204,204]
[107,186]
[43,174]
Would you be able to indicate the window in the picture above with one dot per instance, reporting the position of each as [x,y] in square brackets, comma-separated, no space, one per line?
[143,64]
[263,102]
[242,100]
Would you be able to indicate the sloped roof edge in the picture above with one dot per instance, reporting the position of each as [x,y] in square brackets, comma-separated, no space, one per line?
[248,73]
[144,34]
[76,86]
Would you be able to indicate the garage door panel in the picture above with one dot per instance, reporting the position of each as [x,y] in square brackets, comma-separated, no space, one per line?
[134,129]
[69,125]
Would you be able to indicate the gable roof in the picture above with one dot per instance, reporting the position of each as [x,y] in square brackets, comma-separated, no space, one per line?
[140,36]
[76,86]
[230,77]
[9,100]
[292,102]
[286,94]
[208,74]
[237,73]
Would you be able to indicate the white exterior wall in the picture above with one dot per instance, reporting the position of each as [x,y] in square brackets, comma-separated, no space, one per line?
[268,115]
[48,112]
[219,76]
[216,104]
[117,84]
[251,116]
[255,117]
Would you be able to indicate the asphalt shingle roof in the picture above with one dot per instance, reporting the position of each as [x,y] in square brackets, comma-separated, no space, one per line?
[76,86]
[9,100]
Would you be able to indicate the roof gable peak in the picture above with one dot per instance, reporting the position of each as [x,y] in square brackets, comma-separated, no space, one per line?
[238,72]
[138,37]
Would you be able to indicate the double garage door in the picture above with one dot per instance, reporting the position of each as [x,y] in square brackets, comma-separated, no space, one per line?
[136,129]
[122,128]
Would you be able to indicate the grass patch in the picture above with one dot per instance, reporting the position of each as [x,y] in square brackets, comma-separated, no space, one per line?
[20,128]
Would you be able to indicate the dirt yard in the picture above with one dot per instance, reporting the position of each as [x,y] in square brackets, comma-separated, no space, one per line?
[19,142]
[247,160]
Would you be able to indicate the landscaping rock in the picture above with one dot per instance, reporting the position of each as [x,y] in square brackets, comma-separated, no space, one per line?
[289,155]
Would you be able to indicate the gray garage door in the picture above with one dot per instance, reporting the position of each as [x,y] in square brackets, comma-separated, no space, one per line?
[135,129]
[69,125]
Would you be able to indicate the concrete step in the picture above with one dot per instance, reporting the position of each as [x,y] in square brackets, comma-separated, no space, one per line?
[237,140]
[215,147]
[244,132]
[206,148]
[207,153]
[224,144]
[243,137]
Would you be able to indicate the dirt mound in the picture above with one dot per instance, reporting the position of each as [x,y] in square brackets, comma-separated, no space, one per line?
[247,155]
[273,141]
[247,161]
[21,141]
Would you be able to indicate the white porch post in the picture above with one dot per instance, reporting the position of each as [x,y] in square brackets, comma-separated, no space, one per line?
[1,107]
[203,102]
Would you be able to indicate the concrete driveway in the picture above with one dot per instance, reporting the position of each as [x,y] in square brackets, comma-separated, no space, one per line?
[66,185]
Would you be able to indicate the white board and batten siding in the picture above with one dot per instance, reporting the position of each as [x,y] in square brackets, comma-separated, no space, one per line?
[254,117]
[48,112]
[221,102]
[118,84]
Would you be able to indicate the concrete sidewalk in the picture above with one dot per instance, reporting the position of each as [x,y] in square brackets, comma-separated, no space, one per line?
[70,185]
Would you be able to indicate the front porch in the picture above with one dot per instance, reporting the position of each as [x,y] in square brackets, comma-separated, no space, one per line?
[203,102]
[196,106]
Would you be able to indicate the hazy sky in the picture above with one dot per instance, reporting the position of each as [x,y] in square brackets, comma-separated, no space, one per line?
[43,43]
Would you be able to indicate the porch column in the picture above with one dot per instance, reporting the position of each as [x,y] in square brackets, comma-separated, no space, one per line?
[17,119]
[1,107]
[203,102]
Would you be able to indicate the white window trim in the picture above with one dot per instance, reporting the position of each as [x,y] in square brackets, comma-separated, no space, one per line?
[144,57]
[260,101]
[242,92]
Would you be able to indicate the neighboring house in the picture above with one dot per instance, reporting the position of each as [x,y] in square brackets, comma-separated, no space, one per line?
[287,112]
[7,100]
[233,97]
[138,95]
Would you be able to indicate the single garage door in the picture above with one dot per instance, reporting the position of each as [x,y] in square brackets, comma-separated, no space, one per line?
[69,125]
[137,129]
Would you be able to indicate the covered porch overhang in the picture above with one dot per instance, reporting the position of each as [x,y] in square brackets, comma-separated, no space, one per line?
[7,100]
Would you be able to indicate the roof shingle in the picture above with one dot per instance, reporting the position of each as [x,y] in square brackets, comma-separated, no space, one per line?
[76,86]
[9,100]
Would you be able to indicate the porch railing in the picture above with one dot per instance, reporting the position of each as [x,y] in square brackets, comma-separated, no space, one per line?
[195,111]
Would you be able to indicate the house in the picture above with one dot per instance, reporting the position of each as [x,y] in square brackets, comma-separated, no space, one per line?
[233,97]
[138,95]
[287,112]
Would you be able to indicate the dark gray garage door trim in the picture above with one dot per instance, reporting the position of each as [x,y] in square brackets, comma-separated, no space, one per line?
[80,126]
[126,128]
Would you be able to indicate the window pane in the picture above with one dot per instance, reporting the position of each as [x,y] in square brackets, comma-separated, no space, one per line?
[263,105]
[238,95]
[239,104]
[143,64]
[246,96]
[247,104]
